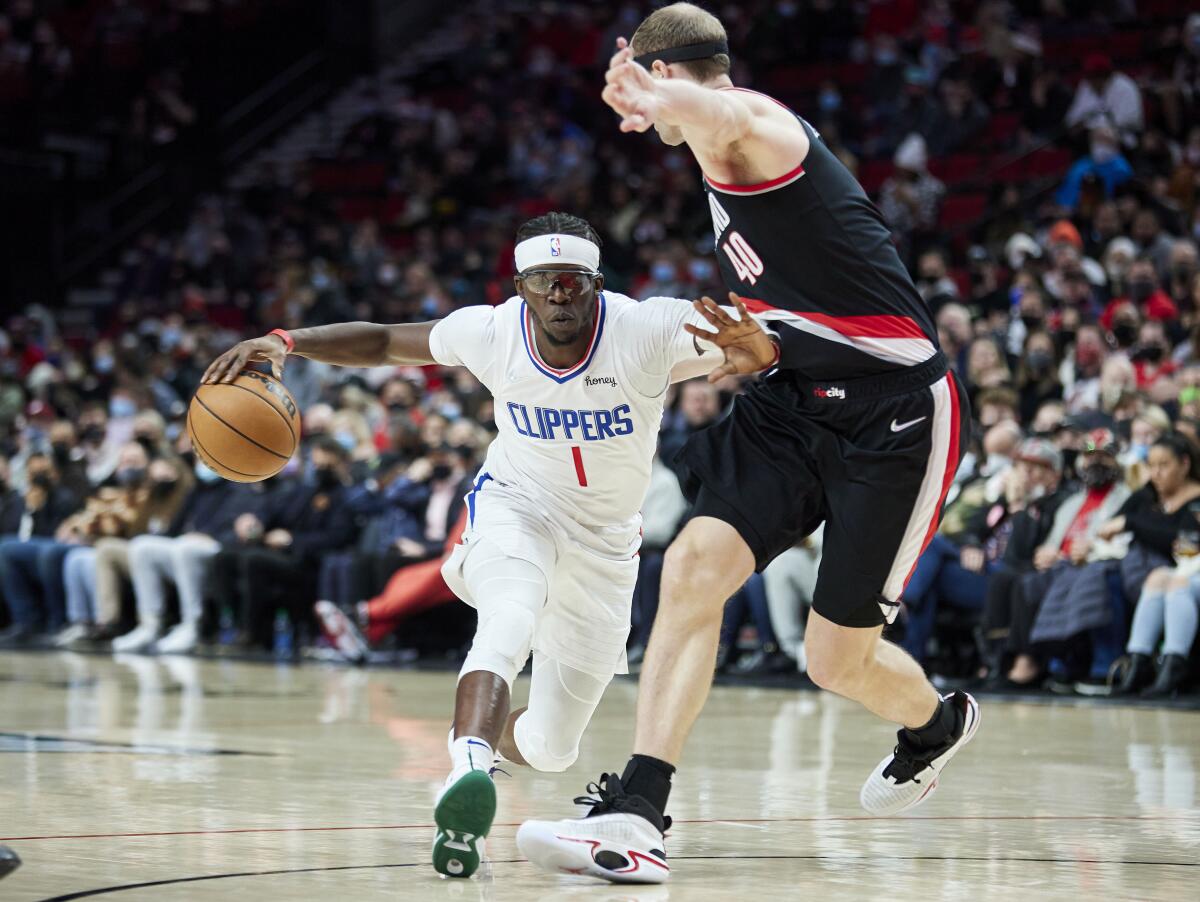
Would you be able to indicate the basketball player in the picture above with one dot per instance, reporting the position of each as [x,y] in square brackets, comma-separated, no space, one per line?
[549,557]
[861,427]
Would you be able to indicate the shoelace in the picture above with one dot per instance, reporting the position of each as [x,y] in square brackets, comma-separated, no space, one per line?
[905,765]
[602,795]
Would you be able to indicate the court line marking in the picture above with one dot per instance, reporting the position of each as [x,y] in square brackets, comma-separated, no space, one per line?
[737,822]
[99,891]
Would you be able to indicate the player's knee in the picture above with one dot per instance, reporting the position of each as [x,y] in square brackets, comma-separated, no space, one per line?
[827,668]
[693,574]
[502,639]
[535,748]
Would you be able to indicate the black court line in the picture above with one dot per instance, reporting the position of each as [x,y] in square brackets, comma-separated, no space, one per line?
[132,747]
[833,858]
[233,428]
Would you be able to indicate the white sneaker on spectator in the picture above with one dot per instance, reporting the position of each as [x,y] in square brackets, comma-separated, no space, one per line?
[179,641]
[139,640]
[72,633]
[342,631]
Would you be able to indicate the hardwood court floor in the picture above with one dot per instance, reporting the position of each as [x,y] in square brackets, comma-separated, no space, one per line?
[166,779]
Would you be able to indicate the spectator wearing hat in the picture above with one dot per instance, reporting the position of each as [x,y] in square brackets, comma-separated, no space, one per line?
[1066,596]
[1107,97]
[1104,161]
[1033,493]
[911,198]
[957,572]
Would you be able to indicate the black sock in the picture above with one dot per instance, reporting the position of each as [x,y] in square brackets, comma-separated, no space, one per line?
[649,778]
[940,728]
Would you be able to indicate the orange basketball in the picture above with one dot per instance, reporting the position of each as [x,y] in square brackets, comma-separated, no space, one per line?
[247,429]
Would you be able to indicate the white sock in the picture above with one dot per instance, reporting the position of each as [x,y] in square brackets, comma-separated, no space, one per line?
[470,753]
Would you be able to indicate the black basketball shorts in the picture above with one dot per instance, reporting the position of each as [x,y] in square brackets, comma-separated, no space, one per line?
[871,458]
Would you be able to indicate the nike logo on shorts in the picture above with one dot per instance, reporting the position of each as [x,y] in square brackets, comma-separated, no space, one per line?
[900,427]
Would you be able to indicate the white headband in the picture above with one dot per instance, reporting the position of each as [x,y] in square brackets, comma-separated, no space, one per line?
[545,250]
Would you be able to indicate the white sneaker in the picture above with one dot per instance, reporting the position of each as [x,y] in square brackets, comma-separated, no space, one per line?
[72,633]
[179,641]
[341,631]
[138,640]
[908,776]
[622,840]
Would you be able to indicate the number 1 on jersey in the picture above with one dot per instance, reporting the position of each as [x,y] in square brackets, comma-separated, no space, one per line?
[577,456]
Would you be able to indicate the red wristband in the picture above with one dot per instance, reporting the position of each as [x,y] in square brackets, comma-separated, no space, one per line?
[288,341]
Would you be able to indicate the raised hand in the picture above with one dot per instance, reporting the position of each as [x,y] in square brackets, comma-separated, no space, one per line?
[267,349]
[748,349]
[629,90]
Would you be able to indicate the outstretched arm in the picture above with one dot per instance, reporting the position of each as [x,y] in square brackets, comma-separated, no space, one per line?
[712,121]
[342,344]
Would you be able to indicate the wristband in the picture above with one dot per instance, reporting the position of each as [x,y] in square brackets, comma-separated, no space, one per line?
[778,352]
[288,341]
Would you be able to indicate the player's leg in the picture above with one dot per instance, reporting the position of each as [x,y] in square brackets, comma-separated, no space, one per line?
[508,593]
[885,493]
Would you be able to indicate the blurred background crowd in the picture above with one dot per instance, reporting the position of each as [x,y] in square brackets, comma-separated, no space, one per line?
[1037,160]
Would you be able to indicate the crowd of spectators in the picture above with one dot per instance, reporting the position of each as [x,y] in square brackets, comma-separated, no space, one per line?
[1068,307]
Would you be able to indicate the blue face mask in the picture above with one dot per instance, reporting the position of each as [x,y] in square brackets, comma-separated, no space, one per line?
[204,474]
[346,440]
[119,408]
[662,272]
[830,101]
[1140,453]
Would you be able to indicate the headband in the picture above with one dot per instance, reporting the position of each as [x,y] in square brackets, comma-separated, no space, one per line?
[682,54]
[543,250]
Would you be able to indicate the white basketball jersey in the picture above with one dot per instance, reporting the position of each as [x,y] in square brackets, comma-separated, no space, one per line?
[578,441]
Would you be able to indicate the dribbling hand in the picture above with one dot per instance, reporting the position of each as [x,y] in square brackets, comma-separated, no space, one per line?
[629,90]
[748,349]
[267,349]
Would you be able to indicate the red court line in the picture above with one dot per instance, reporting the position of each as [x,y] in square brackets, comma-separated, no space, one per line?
[720,820]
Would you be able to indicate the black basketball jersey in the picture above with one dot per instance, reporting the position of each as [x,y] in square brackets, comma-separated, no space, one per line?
[809,251]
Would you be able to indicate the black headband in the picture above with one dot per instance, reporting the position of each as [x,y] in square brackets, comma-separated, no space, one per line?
[682,54]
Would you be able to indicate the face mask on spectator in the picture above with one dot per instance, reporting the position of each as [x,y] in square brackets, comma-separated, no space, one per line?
[61,452]
[121,407]
[1139,452]
[42,481]
[130,476]
[1098,475]
[1125,334]
[327,477]
[450,411]
[1031,321]
[346,440]
[163,487]
[1039,361]
[700,270]
[662,272]
[93,434]
[830,101]
[1149,353]
[1182,271]
[103,364]
[1140,289]
[441,471]
[204,474]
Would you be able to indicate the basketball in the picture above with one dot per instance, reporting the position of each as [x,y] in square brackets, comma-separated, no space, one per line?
[247,429]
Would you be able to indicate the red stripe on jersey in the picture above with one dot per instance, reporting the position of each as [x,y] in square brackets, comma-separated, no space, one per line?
[948,477]
[851,326]
[761,186]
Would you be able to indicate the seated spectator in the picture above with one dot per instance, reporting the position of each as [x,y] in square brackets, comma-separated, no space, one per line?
[1145,293]
[273,561]
[662,513]
[1105,97]
[144,496]
[1032,495]
[1104,163]
[790,581]
[955,571]
[182,557]
[30,557]
[1059,562]
[960,117]
[749,605]
[1037,375]
[1168,517]
[933,280]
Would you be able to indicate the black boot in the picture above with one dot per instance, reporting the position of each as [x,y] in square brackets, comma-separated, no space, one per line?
[1138,673]
[1171,674]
